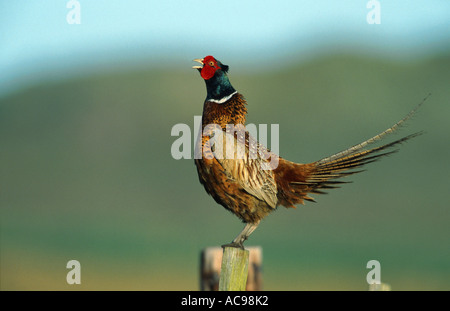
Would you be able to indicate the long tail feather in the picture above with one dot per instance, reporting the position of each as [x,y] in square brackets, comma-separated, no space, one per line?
[374,139]
[325,173]
[295,181]
[342,164]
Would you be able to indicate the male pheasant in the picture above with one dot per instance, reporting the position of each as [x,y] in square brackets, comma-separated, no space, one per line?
[248,179]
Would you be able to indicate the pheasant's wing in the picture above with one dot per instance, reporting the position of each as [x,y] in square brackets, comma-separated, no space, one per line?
[246,162]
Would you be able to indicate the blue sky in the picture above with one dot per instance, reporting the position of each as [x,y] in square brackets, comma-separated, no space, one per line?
[37,43]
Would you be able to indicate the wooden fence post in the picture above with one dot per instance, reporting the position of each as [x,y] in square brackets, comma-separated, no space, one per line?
[211,267]
[234,271]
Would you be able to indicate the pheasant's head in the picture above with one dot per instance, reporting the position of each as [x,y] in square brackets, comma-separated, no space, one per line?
[218,86]
[209,67]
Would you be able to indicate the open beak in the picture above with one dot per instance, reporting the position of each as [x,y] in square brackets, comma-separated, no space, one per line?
[198,60]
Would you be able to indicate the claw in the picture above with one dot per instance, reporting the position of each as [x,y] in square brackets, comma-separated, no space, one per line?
[235,245]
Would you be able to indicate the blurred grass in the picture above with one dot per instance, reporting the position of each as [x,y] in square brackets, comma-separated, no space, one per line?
[86,174]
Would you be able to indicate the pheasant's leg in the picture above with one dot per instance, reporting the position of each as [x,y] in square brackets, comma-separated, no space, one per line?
[245,233]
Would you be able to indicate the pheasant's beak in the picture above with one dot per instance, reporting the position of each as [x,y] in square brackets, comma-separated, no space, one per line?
[198,60]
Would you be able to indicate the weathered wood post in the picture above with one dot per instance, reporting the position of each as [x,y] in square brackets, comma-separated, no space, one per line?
[211,268]
[234,271]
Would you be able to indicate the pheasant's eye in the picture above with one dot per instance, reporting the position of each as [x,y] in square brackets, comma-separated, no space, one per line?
[211,63]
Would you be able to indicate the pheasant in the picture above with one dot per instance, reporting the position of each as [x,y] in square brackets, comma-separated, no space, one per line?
[251,181]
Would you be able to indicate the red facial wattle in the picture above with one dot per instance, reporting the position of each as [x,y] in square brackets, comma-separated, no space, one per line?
[210,66]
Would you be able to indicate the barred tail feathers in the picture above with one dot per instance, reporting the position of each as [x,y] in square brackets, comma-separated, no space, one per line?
[377,137]
[323,174]
[326,171]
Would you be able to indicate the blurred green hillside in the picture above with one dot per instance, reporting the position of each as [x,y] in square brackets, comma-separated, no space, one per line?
[86,173]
